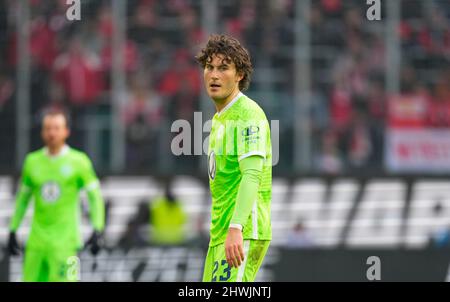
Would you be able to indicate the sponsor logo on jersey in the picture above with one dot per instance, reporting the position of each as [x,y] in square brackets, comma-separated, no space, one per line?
[250,130]
[50,192]
[212,165]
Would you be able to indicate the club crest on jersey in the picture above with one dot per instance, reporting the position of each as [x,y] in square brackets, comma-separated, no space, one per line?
[50,192]
[212,165]
[66,170]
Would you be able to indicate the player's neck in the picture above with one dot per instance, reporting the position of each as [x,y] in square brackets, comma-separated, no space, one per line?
[220,106]
[55,150]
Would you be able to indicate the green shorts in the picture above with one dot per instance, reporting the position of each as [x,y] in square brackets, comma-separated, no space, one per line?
[46,265]
[218,270]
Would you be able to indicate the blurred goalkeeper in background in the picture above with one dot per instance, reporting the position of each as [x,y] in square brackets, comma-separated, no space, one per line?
[54,176]
[240,166]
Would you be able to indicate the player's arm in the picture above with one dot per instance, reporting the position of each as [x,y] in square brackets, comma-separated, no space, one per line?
[251,169]
[23,198]
[91,184]
[96,206]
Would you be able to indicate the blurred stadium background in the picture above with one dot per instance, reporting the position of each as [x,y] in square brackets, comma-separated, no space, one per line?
[364,133]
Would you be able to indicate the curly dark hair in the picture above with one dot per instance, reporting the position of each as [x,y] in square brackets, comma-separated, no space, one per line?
[233,51]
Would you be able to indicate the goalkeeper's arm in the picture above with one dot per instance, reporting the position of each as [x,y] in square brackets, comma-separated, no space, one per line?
[96,215]
[22,201]
[96,206]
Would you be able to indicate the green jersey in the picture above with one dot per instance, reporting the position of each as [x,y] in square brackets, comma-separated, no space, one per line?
[55,182]
[240,130]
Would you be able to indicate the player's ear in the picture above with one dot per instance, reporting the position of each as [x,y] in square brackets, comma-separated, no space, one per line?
[239,76]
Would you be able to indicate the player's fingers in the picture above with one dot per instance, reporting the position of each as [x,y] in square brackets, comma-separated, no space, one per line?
[238,255]
[233,257]
[14,249]
[229,256]
[241,252]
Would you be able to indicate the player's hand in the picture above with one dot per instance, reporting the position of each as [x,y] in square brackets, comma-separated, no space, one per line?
[234,247]
[94,243]
[13,246]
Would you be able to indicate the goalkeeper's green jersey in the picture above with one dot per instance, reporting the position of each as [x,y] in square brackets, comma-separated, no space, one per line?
[54,182]
[238,131]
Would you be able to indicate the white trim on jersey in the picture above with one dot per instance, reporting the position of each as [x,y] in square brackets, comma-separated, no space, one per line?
[93,185]
[251,153]
[230,103]
[62,152]
[241,269]
[236,226]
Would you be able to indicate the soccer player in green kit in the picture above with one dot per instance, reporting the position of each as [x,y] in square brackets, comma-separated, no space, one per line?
[240,166]
[54,176]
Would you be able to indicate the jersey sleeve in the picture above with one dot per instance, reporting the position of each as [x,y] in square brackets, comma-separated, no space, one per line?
[26,177]
[23,197]
[89,181]
[251,168]
[251,138]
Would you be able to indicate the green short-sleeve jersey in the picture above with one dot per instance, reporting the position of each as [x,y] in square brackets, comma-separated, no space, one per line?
[55,183]
[240,130]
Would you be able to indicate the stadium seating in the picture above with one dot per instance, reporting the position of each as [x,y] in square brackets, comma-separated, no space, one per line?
[346,212]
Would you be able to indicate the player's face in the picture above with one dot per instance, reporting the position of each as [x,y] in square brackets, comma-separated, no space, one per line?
[54,131]
[221,78]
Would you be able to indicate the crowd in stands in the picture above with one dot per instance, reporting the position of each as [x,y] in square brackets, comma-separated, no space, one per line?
[71,64]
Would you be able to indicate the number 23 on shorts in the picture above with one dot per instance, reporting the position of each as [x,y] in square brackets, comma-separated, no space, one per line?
[223,271]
